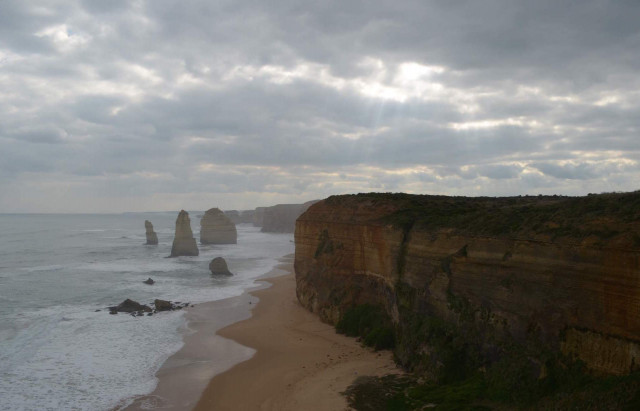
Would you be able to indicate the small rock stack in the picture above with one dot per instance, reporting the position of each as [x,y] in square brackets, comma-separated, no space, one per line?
[152,237]
[218,266]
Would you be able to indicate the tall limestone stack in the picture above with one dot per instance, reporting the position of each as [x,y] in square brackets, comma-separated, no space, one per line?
[152,237]
[217,228]
[183,242]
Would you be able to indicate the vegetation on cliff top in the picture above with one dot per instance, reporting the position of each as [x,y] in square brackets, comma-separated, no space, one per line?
[602,215]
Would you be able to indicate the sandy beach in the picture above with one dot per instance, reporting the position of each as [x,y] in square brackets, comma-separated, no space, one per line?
[300,363]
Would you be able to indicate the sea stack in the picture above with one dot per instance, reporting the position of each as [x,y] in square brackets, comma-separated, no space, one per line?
[183,242]
[217,228]
[218,266]
[152,237]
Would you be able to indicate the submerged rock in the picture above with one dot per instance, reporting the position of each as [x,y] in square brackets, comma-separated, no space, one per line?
[218,266]
[149,281]
[152,237]
[217,228]
[183,242]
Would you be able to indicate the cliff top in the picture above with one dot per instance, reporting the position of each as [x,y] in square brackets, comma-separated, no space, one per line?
[611,219]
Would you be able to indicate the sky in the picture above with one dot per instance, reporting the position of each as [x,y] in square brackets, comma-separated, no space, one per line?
[150,105]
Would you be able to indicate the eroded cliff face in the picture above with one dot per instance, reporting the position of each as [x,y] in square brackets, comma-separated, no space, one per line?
[546,276]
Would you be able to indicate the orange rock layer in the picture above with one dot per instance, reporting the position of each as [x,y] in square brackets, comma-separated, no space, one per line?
[576,293]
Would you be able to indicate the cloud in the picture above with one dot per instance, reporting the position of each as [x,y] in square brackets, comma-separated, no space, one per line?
[282,101]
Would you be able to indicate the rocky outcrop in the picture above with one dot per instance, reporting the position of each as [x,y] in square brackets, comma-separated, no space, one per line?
[183,242]
[152,237]
[555,273]
[129,306]
[163,305]
[216,228]
[281,218]
[149,281]
[218,266]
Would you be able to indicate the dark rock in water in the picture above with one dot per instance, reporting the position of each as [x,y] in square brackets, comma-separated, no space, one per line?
[218,266]
[113,312]
[129,306]
[149,281]
[162,305]
[149,314]
[98,311]
[152,237]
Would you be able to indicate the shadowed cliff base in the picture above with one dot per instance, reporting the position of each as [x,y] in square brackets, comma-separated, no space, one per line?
[520,299]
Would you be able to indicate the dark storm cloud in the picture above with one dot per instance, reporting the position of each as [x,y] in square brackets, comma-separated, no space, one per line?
[290,101]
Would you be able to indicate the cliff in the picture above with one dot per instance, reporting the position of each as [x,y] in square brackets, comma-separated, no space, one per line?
[217,228]
[239,217]
[152,237]
[281,218]
[183,242]
[258,216]
[555,275]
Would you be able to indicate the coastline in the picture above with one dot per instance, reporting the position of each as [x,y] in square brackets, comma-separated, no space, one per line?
[299,362]
[184,375]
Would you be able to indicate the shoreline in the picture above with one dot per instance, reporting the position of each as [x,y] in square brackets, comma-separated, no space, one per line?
[299,361]
[183,376]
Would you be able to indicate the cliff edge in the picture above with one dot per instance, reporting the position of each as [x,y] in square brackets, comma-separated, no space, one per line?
[557,275]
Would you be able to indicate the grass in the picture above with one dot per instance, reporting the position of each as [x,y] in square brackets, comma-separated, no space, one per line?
[602,215]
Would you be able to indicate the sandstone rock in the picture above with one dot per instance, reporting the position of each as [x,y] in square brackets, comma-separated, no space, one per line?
[232,215]
[149,281]
[130,306]
[163,305]
[522,272]
[239,216]
[152,237]
[218,266]
[183,242]
[216,228]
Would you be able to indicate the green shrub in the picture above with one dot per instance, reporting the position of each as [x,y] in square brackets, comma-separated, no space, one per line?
[369,322]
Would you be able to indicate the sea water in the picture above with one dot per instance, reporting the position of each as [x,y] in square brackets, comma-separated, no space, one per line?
[59,346]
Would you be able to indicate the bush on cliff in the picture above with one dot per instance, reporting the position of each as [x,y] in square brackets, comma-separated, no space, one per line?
[369,322]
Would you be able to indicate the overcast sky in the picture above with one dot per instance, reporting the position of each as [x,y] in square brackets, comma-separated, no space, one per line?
[143,105]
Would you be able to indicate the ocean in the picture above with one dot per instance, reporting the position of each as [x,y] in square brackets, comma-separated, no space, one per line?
[59,346]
